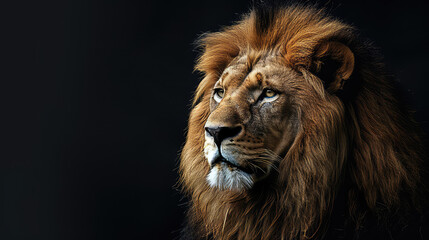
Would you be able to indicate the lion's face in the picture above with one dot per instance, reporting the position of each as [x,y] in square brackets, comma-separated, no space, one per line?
[252,122]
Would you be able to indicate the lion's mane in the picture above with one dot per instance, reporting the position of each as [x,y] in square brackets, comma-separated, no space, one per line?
[375,138]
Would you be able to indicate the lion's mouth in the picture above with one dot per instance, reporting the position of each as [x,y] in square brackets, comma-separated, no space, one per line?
[229,175]
[230,165]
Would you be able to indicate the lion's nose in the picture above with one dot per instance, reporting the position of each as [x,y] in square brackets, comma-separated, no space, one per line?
[221,133]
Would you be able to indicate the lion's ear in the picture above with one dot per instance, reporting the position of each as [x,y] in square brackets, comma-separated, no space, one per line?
[333,62]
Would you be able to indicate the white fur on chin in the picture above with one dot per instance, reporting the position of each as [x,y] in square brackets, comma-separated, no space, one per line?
[221,176]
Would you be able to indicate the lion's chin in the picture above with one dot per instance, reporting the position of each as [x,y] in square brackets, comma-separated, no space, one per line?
[225,177]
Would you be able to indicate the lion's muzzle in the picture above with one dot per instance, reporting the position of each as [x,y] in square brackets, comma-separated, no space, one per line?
[221,133]
[225,170]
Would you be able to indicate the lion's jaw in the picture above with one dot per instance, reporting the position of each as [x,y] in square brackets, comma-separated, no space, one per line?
[238,161]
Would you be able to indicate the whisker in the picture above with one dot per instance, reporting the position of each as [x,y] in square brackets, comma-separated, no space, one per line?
[266,158]
[258,167]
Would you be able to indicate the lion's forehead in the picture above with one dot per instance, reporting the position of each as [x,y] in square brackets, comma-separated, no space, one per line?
[265,72]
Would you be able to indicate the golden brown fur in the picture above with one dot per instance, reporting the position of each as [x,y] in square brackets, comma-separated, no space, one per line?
[352,133]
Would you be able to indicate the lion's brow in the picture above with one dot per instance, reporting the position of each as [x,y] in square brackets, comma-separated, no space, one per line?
[222,78]
[254,82]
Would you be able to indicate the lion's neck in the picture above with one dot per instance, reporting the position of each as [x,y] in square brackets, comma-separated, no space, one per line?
[260,214]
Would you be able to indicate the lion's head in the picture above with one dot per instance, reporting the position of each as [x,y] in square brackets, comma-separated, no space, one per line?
[292,107]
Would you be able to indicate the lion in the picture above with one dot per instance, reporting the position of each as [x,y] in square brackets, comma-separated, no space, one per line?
[296,121]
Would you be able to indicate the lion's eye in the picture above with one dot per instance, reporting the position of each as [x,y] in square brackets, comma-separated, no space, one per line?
[218,94]
[269,93]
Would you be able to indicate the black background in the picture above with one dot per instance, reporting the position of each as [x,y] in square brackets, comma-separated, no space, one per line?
[95,97]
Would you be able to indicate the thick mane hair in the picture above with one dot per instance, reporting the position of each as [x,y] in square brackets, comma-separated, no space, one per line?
[366,154]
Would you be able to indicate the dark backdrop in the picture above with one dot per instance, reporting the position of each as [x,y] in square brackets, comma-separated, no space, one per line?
[95,97]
